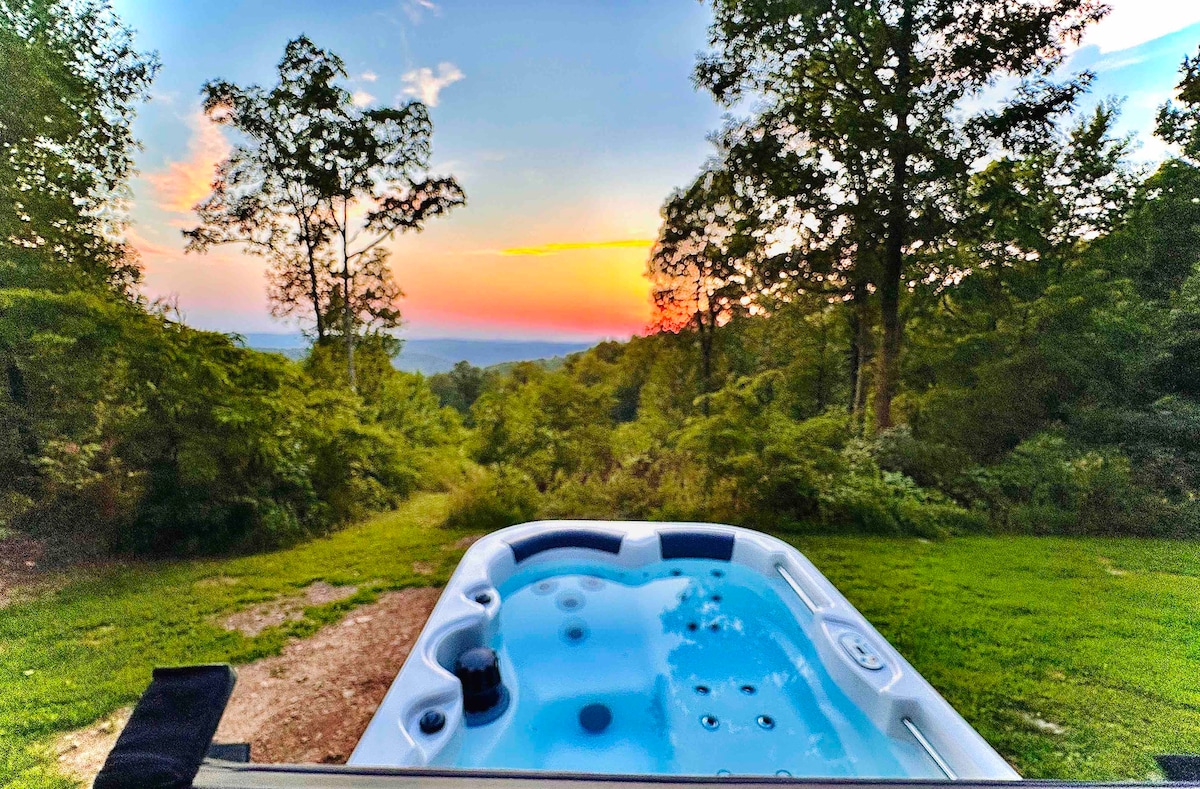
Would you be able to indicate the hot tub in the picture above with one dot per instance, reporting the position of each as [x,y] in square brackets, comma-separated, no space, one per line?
[681,649]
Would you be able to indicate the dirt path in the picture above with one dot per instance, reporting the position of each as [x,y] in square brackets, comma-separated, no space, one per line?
[310,703]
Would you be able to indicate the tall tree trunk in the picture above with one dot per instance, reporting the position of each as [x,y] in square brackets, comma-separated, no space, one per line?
[348,330]
[347,309]
[865,353]
[705,338]
[862,350]
[889,303]
[314,292]
[897,227]
[889,351]
[855,357]
[822,382]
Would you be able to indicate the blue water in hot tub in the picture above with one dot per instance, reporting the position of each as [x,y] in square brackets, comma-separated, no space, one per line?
[703,667]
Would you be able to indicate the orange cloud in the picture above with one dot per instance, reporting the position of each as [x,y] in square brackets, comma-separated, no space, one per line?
[180,185]
[570,246]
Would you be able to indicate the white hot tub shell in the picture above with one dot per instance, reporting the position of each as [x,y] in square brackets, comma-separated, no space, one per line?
[873,675]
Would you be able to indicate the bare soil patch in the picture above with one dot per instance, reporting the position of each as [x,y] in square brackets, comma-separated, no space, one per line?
[309,704]
[81,753]
[253,621]
[462,543]
[313,702]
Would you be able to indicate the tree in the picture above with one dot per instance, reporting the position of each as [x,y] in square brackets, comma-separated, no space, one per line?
[1179,124]
[317,186]
[460,387]
[873,95]
[72,81]
[375,161]
[1033,325]
[1160,243]
[264,197]
[810,241]
[698,281]
[1027,217]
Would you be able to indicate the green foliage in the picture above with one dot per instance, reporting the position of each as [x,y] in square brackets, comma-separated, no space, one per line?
[134,432]
[120,427]
[459,388]
[309,157]
[861,143]
[546,424]
[1046,487]
[750,453]
[498,496]
[1158,245]
[1179,124]
[72,80]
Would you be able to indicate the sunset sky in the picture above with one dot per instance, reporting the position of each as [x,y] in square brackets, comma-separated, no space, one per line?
[566,121]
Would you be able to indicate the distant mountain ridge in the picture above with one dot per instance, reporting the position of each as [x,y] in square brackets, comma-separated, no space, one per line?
[430,356]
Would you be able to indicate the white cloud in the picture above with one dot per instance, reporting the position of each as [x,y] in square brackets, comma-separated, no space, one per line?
[1134,22]
[423,84]
[368,76]
[415,9]
[361,98]
[1118,62]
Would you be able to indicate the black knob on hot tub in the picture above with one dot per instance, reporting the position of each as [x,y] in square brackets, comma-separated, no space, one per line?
[478,670]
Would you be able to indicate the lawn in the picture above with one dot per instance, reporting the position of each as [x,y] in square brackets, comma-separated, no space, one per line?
[73,656]
[1076,658]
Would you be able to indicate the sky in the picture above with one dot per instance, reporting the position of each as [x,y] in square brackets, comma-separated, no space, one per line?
[567,122]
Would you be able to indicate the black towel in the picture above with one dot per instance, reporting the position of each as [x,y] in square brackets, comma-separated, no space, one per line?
[1180,767]
[171,728]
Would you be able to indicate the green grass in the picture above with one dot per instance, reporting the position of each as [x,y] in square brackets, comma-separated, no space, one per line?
[1012,631]
[71,657]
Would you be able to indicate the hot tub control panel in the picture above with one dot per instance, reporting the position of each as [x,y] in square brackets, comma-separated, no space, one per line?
[861,650]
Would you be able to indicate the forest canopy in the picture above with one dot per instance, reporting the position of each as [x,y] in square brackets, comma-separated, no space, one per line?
[878,314]
[873,312]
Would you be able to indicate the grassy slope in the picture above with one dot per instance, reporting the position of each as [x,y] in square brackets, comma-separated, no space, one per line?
[1012,631]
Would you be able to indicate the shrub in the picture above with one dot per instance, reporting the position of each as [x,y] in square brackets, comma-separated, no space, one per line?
[1048,486]
[890,503]
[500,496]
[926,463]
[623,494]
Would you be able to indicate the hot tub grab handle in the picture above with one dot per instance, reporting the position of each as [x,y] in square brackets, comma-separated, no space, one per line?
[797,588]
[929,749]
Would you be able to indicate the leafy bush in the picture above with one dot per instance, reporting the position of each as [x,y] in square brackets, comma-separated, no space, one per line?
[891,503]
[624,494]
[926,463]
[499,496]
[1047,486]
[126,430]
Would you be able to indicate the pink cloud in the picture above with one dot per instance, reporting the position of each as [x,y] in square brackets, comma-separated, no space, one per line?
[180,185]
